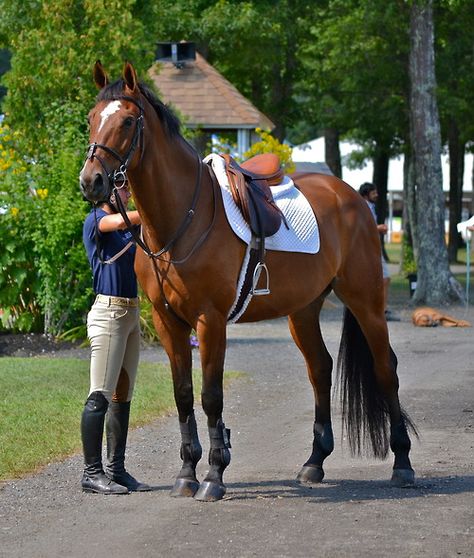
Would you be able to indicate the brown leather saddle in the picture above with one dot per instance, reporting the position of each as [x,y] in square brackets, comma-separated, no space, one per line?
[250,187]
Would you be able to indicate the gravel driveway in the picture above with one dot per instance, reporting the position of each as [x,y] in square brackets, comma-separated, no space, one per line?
[354,512]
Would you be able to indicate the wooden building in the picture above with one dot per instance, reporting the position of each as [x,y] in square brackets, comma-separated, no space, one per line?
[209,103]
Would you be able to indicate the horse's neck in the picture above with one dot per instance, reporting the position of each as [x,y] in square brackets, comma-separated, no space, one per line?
[164,189]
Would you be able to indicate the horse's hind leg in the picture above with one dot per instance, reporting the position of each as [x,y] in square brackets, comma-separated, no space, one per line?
[368,367]
[174,336]
[305,329]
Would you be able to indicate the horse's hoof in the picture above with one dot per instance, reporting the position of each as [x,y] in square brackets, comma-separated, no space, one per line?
[185,487]
[210,492]
[403,478]
[310,474]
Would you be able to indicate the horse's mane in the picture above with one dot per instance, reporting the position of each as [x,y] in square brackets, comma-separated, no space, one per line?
[167,117]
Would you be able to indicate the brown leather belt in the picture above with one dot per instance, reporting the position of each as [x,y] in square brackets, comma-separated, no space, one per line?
[117,300]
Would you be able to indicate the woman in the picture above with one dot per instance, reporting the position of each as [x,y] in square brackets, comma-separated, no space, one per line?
[114,334]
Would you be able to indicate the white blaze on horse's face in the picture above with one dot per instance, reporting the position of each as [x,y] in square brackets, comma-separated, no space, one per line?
[112,107]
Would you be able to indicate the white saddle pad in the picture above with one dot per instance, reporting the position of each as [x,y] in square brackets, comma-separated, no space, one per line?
[303,232]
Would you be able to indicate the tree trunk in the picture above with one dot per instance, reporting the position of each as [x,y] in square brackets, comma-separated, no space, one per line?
[278,96]
[472,187]
[435,284]
[409,202]
[456,175]
[332,153]
[380,179]
[282,87]
[408,260]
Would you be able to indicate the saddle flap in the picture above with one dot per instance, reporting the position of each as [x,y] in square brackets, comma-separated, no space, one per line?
[265,216]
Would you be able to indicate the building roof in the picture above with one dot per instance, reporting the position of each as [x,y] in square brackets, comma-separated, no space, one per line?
[205,97]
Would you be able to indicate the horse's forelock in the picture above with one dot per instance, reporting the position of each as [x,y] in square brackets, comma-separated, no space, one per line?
[114,91]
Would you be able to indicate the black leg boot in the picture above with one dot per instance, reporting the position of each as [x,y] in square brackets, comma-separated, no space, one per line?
[92,430]
[116,430]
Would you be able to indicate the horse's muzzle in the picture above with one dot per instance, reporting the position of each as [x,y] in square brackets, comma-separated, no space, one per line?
[94,186]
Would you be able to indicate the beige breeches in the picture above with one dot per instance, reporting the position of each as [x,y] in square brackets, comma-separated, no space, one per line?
[114,335]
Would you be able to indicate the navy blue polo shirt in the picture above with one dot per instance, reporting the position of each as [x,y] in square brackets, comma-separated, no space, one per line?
[117,278]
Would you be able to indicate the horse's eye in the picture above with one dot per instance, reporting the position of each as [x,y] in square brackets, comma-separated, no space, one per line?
[128,122]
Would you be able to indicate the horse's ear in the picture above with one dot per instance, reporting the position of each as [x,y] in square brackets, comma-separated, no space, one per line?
[100,77]
[130,77]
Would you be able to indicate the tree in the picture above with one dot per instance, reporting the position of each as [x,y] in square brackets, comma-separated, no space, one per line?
[454,20]
[4,67]
[356,79]
[53,51]
[435,284]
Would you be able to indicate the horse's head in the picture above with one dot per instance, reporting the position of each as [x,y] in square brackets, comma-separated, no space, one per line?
[116,134]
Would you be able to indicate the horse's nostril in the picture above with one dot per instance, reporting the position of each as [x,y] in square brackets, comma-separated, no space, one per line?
[83,184]
[98,181]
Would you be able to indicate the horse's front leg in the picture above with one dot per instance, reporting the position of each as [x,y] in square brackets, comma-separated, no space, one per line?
[211,331]
[174,336]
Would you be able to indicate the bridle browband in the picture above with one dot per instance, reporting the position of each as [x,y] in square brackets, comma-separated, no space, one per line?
[119,175]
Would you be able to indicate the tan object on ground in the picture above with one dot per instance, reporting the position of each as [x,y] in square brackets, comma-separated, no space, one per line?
[429,317]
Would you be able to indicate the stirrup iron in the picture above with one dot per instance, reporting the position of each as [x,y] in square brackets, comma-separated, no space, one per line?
[256,276]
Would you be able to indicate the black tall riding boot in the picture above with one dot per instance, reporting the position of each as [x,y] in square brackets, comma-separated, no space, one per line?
[92,430]
[116,431]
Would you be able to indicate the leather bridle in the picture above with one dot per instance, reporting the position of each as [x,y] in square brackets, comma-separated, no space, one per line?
[118,179]
[119,175]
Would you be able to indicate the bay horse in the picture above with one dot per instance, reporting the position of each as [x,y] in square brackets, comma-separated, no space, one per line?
[188,267]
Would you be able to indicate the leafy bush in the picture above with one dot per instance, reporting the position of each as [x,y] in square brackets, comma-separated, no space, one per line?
[45,280]
[18,278]
[409,266]
[270,144]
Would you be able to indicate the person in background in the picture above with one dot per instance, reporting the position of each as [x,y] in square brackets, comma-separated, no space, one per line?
[369,192]
[114,334]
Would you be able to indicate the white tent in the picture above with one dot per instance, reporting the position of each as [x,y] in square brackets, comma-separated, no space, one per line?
[313,151]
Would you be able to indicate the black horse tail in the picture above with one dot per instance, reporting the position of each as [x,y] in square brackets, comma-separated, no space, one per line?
[365,413]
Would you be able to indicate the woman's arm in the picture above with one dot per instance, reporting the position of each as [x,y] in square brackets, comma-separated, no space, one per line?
[115,221]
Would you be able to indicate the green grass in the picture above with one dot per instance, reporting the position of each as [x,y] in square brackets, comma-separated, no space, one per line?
[42,401]
[394,251]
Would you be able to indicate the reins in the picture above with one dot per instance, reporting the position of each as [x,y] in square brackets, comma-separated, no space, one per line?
[140,240]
